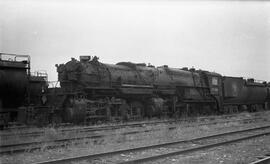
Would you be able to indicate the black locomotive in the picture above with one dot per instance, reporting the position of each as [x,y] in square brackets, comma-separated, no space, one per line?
[128,90]
[92,91]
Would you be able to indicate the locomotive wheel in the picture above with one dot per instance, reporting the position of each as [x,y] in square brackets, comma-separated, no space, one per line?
[267,106]
[124,110]
[41,120]
[56,119]
[252,108]
[4,120]
[206,110]
[137,109]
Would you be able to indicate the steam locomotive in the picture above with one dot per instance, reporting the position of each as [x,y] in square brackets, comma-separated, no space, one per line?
[92,91]
[130,90]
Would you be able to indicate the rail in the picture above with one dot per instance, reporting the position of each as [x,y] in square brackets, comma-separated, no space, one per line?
[166,144]
[29,146]
[262,161]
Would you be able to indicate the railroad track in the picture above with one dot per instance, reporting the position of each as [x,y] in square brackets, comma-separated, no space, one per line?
[265,160]
[169,148]
[30,146]
[7,132]
[111,127]
[86,129]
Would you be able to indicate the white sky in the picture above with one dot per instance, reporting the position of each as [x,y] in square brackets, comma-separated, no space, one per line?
[228,37]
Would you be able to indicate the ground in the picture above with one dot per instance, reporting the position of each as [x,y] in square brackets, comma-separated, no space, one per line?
[239,153]
[243,152]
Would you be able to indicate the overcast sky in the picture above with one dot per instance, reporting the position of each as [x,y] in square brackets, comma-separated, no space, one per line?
[228,37]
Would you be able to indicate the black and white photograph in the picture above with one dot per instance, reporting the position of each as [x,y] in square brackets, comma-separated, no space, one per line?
[134,81]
